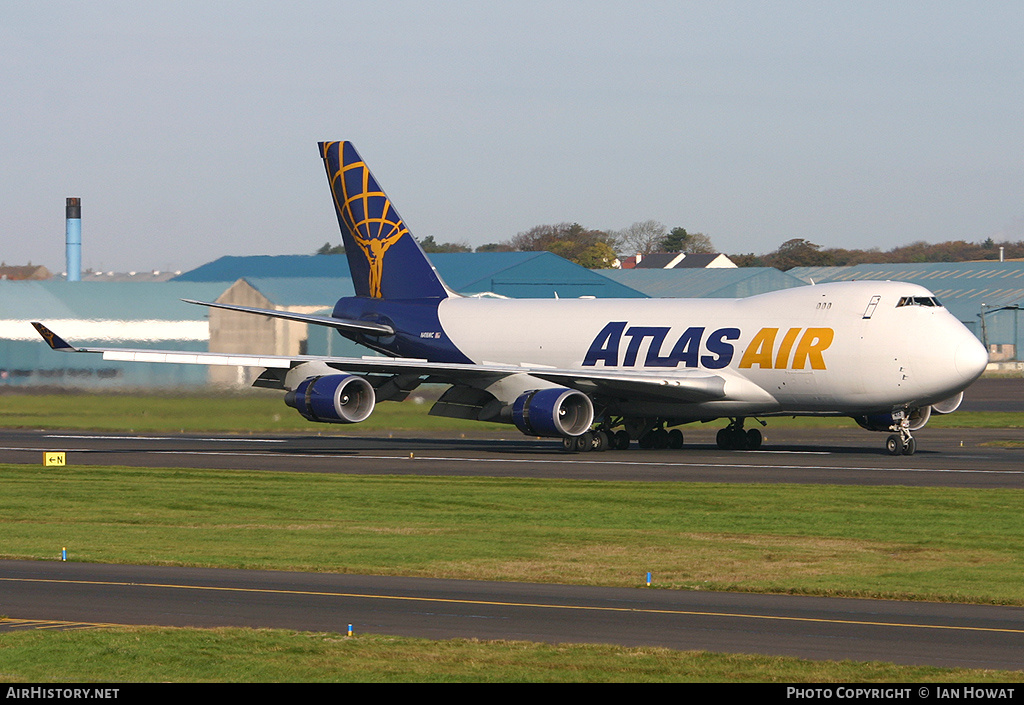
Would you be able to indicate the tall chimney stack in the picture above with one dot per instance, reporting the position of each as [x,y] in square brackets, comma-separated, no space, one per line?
[73,212]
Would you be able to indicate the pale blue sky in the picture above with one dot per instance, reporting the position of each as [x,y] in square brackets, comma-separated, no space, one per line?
[189,129]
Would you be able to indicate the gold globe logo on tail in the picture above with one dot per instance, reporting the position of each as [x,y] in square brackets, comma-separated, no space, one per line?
[369,217]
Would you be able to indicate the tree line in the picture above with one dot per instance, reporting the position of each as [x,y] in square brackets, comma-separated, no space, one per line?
[803,253]
[599,249]
[593,249]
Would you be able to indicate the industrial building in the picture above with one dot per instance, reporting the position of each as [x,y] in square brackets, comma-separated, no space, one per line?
[138,315]
[151,315]
[516,275]
[703,283]
[312,284]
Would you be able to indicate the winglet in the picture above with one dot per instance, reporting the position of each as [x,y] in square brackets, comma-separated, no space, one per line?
[52,339]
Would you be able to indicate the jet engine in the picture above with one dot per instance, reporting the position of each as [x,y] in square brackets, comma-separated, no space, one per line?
[556,412]
[884,422]
[333,398]
[948,406]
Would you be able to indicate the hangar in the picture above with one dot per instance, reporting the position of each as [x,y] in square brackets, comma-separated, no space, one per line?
[517,275]
[312,283]
[134,314]
[704,283]
[985,296]
[151,315]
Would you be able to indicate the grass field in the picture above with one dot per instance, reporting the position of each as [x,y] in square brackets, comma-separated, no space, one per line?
[154,655]
[265,412]
[906,543]
[252,412]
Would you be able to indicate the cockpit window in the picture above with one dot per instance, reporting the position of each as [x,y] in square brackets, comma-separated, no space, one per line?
[918,301]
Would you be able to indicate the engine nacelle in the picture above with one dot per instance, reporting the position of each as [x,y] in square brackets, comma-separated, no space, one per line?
[333,398]
[948,406]
[556,412]
[884,422]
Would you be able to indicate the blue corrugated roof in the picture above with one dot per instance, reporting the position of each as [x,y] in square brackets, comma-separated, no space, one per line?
[704,283]
[128,301]
[951,274]
[303,291]
[230,269]
[512,274]
[526,275]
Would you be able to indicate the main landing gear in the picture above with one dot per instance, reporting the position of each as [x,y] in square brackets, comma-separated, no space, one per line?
[648,435]
[652,434]
[596,440]
[734,437]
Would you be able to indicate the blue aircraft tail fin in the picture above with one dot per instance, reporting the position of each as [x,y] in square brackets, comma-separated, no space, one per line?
[385,261]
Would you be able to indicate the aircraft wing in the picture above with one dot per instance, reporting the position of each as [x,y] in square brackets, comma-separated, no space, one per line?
[687,385]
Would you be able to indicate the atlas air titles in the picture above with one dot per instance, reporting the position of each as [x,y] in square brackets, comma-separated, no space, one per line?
[619,345]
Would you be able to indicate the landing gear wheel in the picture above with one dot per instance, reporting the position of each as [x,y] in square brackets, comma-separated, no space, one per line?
[723,439]
[738,438]
[901,444]
[620,441]
[734,437]
[601,441]
[659,439]
[754,439]
[910,447]
[585,442]
[894,444]
[675,439]
[569,444]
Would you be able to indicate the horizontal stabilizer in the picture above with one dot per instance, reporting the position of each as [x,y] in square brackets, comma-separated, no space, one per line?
[328,321]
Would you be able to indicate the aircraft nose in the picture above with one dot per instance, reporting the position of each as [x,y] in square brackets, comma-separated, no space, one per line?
[970,358]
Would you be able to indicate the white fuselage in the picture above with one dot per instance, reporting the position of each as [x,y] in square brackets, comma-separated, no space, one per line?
[842,348]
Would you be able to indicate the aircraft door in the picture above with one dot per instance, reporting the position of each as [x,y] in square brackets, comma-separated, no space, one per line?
[872,305]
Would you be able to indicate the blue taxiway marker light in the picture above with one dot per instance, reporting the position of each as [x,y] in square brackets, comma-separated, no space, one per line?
[648,578]
[350,630]
[64,553]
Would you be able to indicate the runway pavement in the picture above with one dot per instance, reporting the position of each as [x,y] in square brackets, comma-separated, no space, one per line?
[972,636]
[952,458]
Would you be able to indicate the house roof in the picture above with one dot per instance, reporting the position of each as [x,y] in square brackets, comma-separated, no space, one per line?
[30,271]
[677,260]
[659,260]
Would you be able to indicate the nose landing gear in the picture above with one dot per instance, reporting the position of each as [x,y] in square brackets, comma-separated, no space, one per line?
[901,442]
